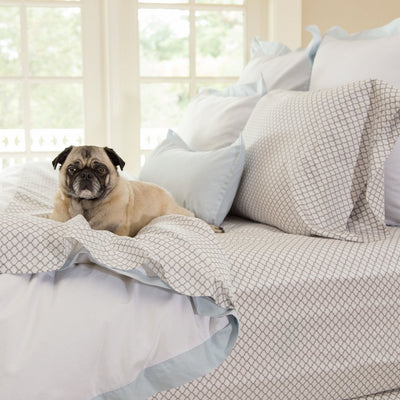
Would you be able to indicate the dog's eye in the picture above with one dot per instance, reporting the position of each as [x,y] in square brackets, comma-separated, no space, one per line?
[71,169]
[101,170]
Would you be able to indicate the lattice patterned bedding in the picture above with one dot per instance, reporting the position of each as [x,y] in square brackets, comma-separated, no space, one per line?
[320,318]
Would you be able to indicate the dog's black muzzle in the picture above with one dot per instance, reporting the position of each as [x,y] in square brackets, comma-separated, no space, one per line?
[86,178]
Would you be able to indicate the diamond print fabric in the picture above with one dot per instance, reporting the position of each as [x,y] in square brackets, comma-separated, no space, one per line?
[314,160]
[320,318]
[28,188]
[180,250]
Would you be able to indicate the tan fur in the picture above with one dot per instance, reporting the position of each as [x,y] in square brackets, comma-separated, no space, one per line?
[127,206]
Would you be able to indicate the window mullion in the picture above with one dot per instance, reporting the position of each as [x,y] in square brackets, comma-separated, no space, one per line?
[192,49]
[26,84]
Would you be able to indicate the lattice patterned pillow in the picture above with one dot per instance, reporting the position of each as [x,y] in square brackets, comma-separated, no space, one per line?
[314,160]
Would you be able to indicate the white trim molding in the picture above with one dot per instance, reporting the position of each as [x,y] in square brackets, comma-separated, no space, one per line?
[122,59]
[94,72]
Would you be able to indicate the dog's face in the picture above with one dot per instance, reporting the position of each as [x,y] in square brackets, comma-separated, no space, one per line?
[88,172]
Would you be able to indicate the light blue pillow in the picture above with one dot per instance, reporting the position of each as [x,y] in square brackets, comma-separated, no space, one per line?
[391,28]
[256,88]
[204,182]
[259,48]
[289,71]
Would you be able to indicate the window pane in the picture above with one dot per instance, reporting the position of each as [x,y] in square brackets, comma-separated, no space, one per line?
[240,2]
[54,38]
[10,105]
[172,99]
[57,115]
[12,134]
[164,43]
[219,43]
[10,63]
[57,105]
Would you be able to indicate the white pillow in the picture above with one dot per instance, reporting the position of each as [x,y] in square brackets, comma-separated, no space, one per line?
[341,61]
[374,53]
[204,182]
[290,71]
[211,122]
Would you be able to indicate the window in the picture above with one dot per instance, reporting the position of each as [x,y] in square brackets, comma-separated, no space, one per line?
[116,73]
[183,47]
[41,79]
[51,86]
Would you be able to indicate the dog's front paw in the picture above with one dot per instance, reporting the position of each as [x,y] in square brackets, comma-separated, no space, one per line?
[217,229]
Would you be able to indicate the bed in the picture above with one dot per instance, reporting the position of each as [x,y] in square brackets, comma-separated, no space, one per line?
[298,299]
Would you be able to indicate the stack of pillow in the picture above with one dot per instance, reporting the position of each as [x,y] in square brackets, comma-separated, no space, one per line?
[373,53]
[202,166]
[299,142]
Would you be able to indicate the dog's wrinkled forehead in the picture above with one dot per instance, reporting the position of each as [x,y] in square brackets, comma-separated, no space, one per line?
[86,155]
[86,152]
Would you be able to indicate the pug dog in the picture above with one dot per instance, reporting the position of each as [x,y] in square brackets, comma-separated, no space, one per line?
[90,185]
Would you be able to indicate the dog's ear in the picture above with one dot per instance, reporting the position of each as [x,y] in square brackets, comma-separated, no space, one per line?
[115,158]
[60,159]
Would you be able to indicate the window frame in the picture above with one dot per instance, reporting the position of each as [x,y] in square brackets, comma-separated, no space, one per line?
[111,74]
[25,78]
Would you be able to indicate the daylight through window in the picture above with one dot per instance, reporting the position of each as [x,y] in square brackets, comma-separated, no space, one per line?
[69,70]
[41,79]
[183,47]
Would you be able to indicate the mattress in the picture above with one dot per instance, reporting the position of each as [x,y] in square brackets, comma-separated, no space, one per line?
[320,318]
